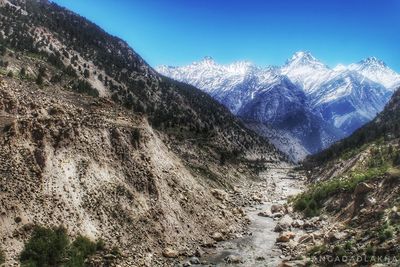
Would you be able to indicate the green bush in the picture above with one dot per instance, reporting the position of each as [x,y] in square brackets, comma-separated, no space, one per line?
[85,87]
[79,251]
[2,257]
[316,250]
[311,201]
[51,247]
[348,245]
[338,251]
[46,247]
[22,72]
[385,233]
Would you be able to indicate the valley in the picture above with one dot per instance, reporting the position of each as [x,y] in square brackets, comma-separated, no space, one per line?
[106,161]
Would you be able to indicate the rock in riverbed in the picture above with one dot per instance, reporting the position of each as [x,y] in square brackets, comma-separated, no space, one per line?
[285,237]
[284,224]
[233,259]
[275,208]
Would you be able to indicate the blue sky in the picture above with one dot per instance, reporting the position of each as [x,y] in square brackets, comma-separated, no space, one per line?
[266,32]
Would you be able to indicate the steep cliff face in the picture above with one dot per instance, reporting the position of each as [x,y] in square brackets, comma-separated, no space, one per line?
[93,139]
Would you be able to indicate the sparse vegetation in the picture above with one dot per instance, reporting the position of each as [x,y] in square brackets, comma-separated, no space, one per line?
[135,137]
[46,247]
[311,201]
[2,257]
[82,86]
[22,72]
[385,232]
[86,74]
[41,75]
[51,247]
[316,250]
[79,251]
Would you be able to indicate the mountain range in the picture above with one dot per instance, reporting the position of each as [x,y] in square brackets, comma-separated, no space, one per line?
[303,106]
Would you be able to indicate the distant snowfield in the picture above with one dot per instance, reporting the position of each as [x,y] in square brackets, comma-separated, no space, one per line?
[305,103]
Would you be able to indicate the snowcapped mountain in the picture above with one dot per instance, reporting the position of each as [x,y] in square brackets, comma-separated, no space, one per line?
[306,71]
[349,100]
[261,96]
[303,106]
[377,71]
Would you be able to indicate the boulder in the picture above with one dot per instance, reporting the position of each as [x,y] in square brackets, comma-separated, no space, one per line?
[298,223]
[277,208]
[337,236]
[233,259]
[219,194]
[170,253]
[238,211]
[285,237]
[306,239]
[218,236]
[194,260]
[284,223]
[257,198]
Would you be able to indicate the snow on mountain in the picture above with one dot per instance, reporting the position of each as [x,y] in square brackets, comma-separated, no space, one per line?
[349,100]
[306,71]
[377,71]
[230,84]
[303,106]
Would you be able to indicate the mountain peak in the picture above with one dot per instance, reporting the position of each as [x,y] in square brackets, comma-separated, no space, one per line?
[372,61]
[303,55]
[303,58]
[208,60]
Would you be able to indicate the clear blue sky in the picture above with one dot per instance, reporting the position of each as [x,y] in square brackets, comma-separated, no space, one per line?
[266,32]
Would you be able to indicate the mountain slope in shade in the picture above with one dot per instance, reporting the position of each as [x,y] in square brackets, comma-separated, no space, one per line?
[327,104]
[386,125]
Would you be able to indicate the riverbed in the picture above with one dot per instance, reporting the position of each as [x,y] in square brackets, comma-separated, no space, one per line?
[258,248]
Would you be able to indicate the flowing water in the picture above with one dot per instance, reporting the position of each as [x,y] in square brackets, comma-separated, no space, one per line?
[258,248]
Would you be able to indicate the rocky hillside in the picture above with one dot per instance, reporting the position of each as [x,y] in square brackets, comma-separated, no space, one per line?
[353,196]
[94,140]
